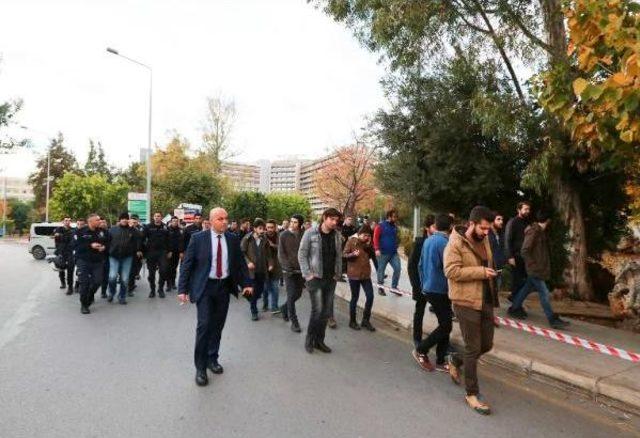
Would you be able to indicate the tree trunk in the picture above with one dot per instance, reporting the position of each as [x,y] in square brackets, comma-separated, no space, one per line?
[567,202]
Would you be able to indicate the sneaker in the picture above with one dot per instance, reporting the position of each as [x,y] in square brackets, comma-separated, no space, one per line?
[367,326]
[381,292]
[254,317]
[84,310]
[277,311]
[354,325]
[395,291]
[517,313]
[423,361]
[109,297]
[454,370]
[442,367]
[559,324]
[122,301]
[477,405]
[332,323]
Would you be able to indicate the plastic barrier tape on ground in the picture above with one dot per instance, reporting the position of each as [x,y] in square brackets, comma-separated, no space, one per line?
[549,334]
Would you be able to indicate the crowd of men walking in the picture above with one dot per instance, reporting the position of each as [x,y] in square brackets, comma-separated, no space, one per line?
[456,267]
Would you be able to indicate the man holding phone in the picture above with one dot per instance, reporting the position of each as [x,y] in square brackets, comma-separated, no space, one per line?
[213,267]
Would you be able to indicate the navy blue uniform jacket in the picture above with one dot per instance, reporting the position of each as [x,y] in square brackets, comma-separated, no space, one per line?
[196,265]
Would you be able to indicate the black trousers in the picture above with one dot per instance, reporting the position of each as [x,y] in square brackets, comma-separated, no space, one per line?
[105,277]
[440,336]
[212,314]
[294,283]
[518,275]
[157,262]
[321,292]
[136,266]
[172,268]
[90,277]
[418,316]
[68,271]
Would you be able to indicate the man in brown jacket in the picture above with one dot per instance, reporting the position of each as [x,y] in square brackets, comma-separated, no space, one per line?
[468,266]
[535,252]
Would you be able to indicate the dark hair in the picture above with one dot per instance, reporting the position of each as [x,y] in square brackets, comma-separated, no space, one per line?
[443,222]
[542,216]
[195,215]
[272,222]
[299,217]
[522,204]
[92,215]
[81,219]
[135,216]
[123,216]
[258,223]
[331,212]
[365,229]
[496,214]
[157,212]
[479,213]
[391,213]
[429,220]
[174,217]
[245,220]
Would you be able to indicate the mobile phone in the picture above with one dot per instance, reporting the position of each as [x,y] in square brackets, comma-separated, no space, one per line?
[499,271]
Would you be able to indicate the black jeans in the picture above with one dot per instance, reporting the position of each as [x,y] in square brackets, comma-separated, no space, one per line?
[105,277]
[69,270]
[157,261]
[90,277]
[136,265]
[172,268]
[258,288]
[518,275]
[440,336]
[293,284]
[367,286]
[212,314]
[418,317]
[321,293]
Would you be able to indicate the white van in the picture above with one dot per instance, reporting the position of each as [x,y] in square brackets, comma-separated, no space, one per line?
[41,242]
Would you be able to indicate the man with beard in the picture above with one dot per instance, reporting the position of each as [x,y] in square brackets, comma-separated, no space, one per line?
[469,268]
[254,246]
[104,226]
[320,258]
[176,242]
[385,242]
[513,239]
[272,283]
[90,247]
[288,257]
[63,237]
[124,245]
[191,229]
[414,277]
[136,263]
[156,244]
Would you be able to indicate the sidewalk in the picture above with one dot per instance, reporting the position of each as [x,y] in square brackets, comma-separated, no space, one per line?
[602,377]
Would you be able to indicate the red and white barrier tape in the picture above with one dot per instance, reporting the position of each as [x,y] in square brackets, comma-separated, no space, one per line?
[549,334]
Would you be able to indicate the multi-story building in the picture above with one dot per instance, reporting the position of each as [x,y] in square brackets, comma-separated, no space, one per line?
[307,183]
[243,177]
[284,175]
[17,188]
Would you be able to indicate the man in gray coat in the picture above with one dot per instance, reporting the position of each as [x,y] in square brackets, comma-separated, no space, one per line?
[320,258]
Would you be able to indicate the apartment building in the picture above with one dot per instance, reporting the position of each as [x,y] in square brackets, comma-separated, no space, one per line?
[243,177]
[16,188]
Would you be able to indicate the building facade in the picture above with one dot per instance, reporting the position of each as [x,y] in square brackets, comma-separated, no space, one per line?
[243,177]
[16,188]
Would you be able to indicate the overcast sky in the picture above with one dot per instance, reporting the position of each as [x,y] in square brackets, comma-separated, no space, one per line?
[301,83]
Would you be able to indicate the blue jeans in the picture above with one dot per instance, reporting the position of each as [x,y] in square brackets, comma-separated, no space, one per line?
[394,260]
[543,293]
[272,289]
[119,268]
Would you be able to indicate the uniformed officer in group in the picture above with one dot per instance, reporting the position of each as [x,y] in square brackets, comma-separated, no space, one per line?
[192,228]
[63,237]
[176,242]
[136,264]
[156,245]
[90,252]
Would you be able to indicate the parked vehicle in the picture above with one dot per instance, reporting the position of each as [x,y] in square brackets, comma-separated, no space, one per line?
[41,242]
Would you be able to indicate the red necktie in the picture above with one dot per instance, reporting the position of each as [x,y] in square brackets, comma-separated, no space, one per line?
[219,258]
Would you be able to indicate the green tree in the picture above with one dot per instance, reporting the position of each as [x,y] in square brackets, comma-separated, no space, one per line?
[79,195]
[96,162]
[62,161]
[247,205]
[186,185]
[282,206]
[20,212]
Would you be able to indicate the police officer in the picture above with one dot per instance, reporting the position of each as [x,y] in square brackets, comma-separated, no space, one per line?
[192,228]
[176,242]
[156,244]
[104,226]
[63,237]
[81,223]
[136,264]
[90,247]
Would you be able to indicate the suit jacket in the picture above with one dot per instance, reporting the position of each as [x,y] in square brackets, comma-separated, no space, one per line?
[196,265]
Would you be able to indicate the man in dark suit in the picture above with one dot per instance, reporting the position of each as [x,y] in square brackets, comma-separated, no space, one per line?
[213,267]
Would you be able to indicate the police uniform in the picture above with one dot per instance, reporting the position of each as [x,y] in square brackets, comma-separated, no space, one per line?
[63,237]
[156,245]
[176,246]
[90,262]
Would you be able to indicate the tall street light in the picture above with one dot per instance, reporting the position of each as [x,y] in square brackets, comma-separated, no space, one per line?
[115,52]
[4,204]
[46,214]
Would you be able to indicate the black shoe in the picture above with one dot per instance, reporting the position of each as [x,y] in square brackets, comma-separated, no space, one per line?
[63,285]
[517,313]
[132,287]
[129,294]
[354,325]
[431,309]
[295,326]
[201,378]
[216,368]
[559,324]
[161,293]
[320,345]
[308,344]
[84,310]
[152,294]
[367,325]
[109,298]
[254,317]
[123,301]
[70,291]
[103,295]
[285,313]
[381,292]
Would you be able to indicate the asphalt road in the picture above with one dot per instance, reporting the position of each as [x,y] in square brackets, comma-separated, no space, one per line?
[127,371]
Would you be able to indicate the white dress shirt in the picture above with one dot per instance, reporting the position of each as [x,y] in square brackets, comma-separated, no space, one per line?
[214,255]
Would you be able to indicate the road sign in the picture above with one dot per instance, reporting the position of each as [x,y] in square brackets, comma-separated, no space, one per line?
[138,205]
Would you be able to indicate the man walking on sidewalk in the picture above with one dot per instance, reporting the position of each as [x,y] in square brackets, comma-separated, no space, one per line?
[385,242]
[435,290]
[157,253]
[320,258]
[468,266]
[513,238]
[124,245]
[63,237]
[136,263]
[176,248]
[414,277]
[288,247]
[535,252]
[90,250]
[274,273]
[496,238]
[254,248]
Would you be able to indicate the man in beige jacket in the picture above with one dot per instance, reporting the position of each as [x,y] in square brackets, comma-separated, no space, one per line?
[469,268]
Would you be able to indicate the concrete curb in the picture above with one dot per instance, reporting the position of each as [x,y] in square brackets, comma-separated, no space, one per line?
[596,388]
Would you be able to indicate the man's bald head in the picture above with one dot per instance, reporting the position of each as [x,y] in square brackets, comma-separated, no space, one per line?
[219,219]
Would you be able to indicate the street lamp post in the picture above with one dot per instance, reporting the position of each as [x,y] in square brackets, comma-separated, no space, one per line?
[115,52]
[4,205]
[46,211]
